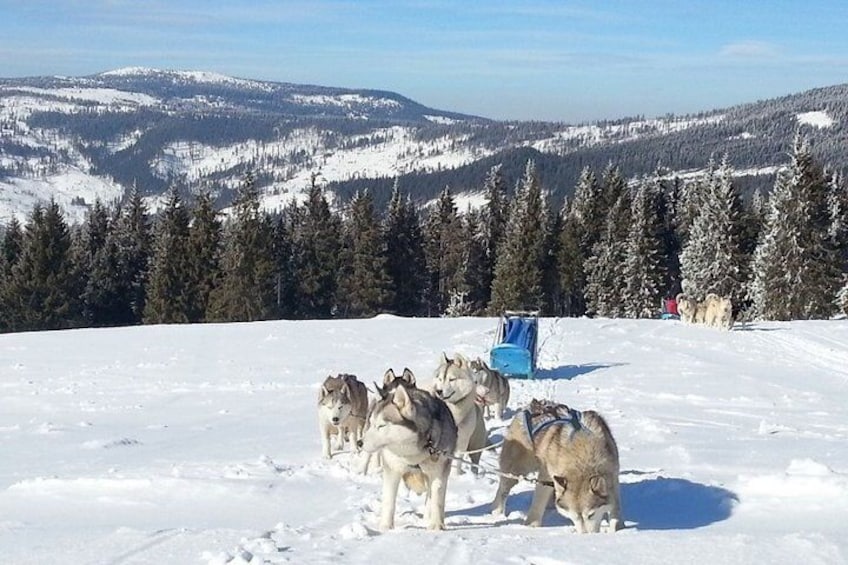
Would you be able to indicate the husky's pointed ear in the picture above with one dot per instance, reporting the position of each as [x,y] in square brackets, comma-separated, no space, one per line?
[460,360]
[388,377]
[381,391]
[401,398]
[408,376]
[598,484]
[561,481]
[445,359]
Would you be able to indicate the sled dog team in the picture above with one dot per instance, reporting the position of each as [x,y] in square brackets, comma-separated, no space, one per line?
[714,311]
[419,435]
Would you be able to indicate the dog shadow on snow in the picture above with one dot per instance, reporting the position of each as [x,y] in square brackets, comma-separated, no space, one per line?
[658,503]
[568,372]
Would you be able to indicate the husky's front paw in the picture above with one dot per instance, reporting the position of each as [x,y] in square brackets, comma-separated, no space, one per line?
[436,526]
[614,526]
[385,526]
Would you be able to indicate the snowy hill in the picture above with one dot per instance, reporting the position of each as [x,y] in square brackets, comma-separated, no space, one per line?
[153,128]
[199,444]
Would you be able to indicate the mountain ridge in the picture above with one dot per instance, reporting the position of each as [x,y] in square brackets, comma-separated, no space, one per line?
[76,139]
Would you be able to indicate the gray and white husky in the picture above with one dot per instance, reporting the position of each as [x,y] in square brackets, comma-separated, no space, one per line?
[577,459]
[454,383]
[414,431]
[342,408]
[492,388]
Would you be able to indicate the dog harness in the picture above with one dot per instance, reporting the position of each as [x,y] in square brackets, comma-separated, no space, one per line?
[573,419]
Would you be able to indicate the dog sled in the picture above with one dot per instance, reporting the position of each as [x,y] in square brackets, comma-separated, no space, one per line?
[516,343]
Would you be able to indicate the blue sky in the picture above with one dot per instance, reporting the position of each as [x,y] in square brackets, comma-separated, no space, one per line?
[546,60]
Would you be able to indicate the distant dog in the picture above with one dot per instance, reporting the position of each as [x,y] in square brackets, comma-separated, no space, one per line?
[714,311]
[687,308]
[577,459]
[415,432]
[492,388]
[718,312]
[454,383]
[342,408]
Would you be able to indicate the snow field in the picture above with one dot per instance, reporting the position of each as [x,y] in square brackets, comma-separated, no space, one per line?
[199,444]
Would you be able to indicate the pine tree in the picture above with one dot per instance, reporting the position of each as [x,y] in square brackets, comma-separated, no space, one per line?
[477,275]
[39,292]
[170,282]
[494,224]
[405,262]
[796,266]
[364,281]
[10,251]
[571,266]
[645,264]
[285,285]
[119,287]
[246,290]
[584,222]
[317,249]
[712,261]
[205,235]
[445,253]
[518,272]
[552,295]
[605,270]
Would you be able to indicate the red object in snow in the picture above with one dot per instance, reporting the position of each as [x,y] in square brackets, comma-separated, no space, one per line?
[671,306]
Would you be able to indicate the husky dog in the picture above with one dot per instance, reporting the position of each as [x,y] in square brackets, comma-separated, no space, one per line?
[390,383]
[415,432]
[492,388]
[576,458]
[718,312]
[687,307]
[454,383]
[342,408]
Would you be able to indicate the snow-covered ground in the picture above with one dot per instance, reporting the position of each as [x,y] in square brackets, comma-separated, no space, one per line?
[199,444]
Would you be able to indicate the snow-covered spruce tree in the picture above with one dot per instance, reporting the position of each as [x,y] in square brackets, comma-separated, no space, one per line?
[842,298]
[87,241]
[477,285]
[445,253]
[493,223]
[552,295]
[838,211]
[405,264]
[364,281]
[570,264]
[518,272]
[317,237]
[246,288]
[285,285]
[795,267]
[712,260]
[132,231]
[123,264]
[40,291]
[645,264]
[169,283]
[605,270]
[204,239]
[586,214]
[10,250]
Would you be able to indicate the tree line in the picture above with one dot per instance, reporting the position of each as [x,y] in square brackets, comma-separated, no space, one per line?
[616,249]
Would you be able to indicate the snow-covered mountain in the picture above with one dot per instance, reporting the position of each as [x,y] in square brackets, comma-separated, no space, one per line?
[76,139]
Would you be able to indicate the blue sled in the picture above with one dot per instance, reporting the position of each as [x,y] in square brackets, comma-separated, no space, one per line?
[515,353]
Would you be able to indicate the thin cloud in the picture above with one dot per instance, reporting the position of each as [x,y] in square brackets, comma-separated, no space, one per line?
[750,49]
